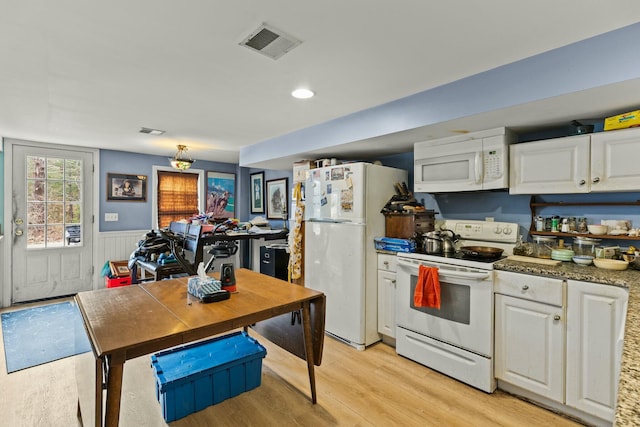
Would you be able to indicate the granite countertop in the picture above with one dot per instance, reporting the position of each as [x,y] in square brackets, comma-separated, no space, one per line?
[628,406]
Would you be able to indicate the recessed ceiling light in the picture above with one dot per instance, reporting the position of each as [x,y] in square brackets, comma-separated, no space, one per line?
[151,131]
[302,93]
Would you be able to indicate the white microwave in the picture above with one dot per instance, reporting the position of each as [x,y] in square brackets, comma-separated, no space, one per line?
[470,162]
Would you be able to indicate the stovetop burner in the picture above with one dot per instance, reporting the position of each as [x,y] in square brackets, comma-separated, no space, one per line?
[500,235]
[460,255]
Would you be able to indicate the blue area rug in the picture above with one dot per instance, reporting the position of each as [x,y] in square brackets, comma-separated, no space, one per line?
[38,335]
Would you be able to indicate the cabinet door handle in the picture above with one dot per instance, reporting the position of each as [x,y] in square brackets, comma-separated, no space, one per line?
[525,287]
[596,180]
[386,263]
[556,317]
[582,182]
[393,281]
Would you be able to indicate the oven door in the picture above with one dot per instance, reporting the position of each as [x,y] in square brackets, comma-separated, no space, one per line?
[465,317]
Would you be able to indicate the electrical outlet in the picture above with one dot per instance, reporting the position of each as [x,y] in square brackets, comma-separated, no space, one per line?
[110,216]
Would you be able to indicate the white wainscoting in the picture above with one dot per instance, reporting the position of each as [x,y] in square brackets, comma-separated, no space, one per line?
[115,246]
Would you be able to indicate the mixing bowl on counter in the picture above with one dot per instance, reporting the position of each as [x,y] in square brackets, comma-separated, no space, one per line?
[585,245]
[562,254]
[543,245]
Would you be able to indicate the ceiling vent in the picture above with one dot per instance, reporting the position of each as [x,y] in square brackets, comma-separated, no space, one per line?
[270,41]
[150,131]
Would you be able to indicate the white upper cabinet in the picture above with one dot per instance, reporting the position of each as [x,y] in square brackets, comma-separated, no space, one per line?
[600,162]
[551,166]
[615,160]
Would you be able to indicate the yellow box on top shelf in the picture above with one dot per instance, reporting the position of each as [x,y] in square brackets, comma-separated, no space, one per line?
[622,121]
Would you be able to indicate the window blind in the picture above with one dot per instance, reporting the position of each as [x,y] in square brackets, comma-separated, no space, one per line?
[177,196]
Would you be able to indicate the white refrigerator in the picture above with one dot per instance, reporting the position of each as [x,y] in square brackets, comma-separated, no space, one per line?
[342,217]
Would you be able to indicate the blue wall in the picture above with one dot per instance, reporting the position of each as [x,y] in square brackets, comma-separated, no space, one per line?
[137,215]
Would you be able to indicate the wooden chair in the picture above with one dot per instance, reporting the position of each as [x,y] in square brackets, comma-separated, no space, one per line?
[191,244]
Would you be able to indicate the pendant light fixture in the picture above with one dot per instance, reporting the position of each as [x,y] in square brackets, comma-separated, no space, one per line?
[181,161]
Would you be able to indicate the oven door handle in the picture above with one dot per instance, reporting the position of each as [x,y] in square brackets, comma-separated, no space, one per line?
[477,275]
[464,274]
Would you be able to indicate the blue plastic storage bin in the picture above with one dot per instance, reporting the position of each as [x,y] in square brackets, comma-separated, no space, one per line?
[192,377]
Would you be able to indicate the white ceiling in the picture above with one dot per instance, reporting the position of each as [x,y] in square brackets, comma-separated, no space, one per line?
[91,73]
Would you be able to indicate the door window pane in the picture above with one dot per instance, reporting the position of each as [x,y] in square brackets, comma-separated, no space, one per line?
[35,235]
[54,213]
[72,192]
[54,201]
[55,168]
[72,213]
[73,170]
[55,235]
[35,213]
[55,190]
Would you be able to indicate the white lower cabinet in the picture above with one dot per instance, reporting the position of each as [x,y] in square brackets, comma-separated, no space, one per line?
[595,333]
[529,346]
[387,295]
[529,333]
[561,351]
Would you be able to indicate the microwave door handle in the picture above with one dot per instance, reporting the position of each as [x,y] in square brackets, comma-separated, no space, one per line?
[478,168]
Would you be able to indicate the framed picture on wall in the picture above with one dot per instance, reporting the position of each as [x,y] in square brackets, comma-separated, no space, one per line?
[221,192]
[127,188]
[277,198]
[257,193]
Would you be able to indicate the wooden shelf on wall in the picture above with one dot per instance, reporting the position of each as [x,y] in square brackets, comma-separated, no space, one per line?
[534,204]
[591,236]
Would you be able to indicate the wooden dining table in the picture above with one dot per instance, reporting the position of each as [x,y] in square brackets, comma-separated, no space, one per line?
[132,321]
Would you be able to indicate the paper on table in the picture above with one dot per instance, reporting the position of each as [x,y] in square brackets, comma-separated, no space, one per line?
[258,230]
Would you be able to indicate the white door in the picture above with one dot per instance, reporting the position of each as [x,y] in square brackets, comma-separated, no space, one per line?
[334,264]
[52,213]
[529,345]
[550,167]
[595,333]
[387,303]
[614,160]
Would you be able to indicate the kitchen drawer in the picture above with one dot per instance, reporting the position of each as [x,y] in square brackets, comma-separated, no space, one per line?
[535,288]
[387,262]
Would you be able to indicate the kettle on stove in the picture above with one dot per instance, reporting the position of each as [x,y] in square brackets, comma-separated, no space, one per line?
[449,242]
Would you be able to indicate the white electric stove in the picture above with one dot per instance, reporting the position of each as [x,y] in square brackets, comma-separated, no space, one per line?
[456,339]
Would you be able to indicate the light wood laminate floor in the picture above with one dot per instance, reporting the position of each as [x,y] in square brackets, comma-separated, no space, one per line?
[375,387]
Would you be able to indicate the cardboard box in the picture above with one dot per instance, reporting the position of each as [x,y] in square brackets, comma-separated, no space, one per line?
[622,121]
[404,225]
[119,268]
[300,170]
[192,377]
